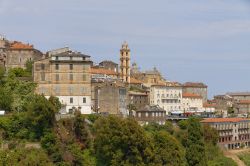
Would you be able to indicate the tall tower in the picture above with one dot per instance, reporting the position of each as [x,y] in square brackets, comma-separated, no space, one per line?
[125,62]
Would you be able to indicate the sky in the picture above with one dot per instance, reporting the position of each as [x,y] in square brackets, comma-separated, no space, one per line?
[187,40]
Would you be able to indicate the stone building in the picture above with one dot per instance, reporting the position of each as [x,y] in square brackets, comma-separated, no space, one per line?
[239,95]
[192,102]
[109,65]
[16,54]
[233,132]
[125,63]
[67,76]
[138,99]
[196,88]
[149,77]
[109,98]
[150,114]
[243,107]
[168,96]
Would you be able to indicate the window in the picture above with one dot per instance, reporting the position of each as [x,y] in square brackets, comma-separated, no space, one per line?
[139,114]
[57,66]
[42,66]
[57,77]
[71,66]
[42,76]
[71,100]
[84,77]
[84,100]
[146,114]
[57,58]
[71,77]
[71,90]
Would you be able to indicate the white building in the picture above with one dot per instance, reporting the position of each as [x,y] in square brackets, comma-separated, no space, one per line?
[168,96]
[192,102]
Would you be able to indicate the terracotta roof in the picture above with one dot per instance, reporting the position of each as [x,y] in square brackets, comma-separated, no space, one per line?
[217,120]
[20,45]
[190,95]
[102,71]
[244,102]
[207,105]
[135,81]
[195,84]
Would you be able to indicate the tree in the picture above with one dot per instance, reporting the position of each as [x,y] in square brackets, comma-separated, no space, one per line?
[6,99]
[41,114]
[195,150]
[2,72]
[80,128]
[155,127]
[210,134]
[121,142]
[55,102]
[168,150]
[29,66]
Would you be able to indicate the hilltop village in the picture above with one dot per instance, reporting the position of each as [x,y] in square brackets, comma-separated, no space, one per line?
[121,89]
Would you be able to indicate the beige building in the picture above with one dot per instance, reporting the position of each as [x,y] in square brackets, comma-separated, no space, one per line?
[150,114]
[196,88]
[233,132]
[125,62]
[16,54]
[109,98]
[67,76]
[138,99]
[150,77]
[192,102]
[167,96]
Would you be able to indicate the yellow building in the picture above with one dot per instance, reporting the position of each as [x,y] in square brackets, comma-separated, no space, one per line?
[67,76]
[125,62]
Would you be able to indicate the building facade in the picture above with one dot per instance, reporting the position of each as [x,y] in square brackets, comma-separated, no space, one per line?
[167,96]
[67,76]
[125,62]
[109,65]
[16,54]
[109,98]
[191,102]
[150,114]
[196,88]
[233,132]
[138,99]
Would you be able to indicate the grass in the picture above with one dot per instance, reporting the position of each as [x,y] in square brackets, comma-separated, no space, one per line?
[245,157]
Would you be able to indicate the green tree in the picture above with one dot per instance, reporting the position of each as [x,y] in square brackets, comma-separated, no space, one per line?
[168,150]
[6,99]
[195,150]
[210,134]
[121,142]
[2,72]
[80,128]
[29,67]
[40,114]
[155,127]
[55,102]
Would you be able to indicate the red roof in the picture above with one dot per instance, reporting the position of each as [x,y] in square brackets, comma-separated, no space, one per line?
[218,120]
[190,95]
[20,45]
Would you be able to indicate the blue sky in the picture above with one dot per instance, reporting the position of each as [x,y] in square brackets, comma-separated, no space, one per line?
[188,40]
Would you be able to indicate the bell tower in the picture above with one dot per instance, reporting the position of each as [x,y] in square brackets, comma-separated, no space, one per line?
[125,62]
